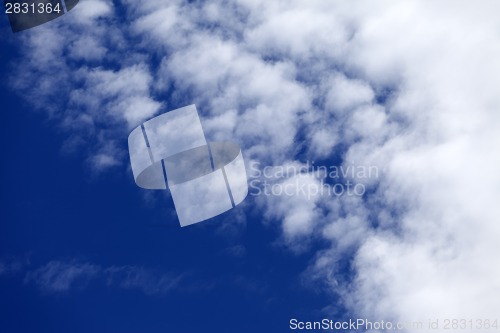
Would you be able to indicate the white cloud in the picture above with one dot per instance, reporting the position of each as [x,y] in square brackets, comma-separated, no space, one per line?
[295,30]
[87,48]
[291,201]
[103,161]
[88,11]
[437,262]
[121,95]
[323,139]
[345,94]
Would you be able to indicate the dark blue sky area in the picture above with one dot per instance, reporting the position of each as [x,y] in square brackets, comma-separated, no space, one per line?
[231,276]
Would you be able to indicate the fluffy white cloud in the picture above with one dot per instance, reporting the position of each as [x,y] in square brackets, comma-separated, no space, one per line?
[292,201]
[74,69]
[88,11]
[88,49]
[345,94]
[122,94]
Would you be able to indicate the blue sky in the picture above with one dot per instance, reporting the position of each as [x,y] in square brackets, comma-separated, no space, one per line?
[55,212]
[85,251]
[407,88]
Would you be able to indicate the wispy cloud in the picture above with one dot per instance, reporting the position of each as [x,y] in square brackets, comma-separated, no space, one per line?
[65,276]
[149,282]
[57,276]
[12,265]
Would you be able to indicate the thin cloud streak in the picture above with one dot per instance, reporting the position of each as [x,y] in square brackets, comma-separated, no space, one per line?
[66,276]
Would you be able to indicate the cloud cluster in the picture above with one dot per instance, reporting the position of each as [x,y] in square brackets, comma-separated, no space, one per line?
[410,87]
[81,72]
